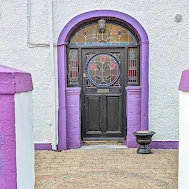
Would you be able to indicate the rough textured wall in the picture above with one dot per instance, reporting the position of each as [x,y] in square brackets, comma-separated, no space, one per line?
[168,52]
[14,52]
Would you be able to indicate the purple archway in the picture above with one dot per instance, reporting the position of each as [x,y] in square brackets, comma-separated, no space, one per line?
[62,79]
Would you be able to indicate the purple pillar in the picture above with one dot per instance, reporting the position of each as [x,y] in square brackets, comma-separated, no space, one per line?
[62,128]
[12,81]
[133,114]
[73,110]
[144,53]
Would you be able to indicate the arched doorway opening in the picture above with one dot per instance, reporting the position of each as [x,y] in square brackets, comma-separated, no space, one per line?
[102,53]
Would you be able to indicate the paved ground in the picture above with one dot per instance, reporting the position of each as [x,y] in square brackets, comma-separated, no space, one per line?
[106,169]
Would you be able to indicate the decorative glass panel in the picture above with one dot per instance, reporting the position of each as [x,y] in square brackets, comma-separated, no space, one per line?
[117,56]
[113,34]
[73,67]
[103,70]
[133,66]
[88,57]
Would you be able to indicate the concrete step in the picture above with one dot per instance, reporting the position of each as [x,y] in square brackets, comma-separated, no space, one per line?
[104,142]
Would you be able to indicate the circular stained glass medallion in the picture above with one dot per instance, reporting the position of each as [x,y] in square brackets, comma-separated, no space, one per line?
[103,70]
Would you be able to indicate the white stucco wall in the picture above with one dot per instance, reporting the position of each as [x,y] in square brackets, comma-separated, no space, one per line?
[168,52]
[24,141]
[183,174]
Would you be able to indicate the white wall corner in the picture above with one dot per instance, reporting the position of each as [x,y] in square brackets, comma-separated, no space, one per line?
[24,140]
[183,172]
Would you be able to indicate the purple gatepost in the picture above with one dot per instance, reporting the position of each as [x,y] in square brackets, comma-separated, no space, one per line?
[16,126]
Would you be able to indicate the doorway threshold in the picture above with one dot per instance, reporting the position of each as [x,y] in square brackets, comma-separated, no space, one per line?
[105,139]
[103,144]
[104,147]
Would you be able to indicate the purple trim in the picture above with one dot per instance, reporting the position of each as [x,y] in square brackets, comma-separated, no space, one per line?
[43,146]
[165,144]
[184,84]
[133,88]
[85,17]
[14,81]
[62,130]
[73,90]
[144,54]
[63,38]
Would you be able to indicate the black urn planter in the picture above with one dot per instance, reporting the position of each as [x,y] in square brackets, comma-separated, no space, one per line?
[144,138]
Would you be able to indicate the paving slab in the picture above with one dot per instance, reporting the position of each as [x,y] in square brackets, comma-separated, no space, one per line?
[106,168]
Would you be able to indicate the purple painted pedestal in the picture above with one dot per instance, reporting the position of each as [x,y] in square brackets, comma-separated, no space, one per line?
[133,105]
[73,117]
[12,81]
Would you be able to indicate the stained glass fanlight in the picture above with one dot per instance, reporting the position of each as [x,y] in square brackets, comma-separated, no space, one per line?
[93,34]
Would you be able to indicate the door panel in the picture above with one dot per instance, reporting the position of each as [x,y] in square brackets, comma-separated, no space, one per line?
[112,114]
[93,114]
[103,110]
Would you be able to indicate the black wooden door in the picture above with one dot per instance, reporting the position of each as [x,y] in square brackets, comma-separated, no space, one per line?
[103,99]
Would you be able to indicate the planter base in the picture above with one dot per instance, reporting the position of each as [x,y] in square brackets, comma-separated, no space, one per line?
[144,149]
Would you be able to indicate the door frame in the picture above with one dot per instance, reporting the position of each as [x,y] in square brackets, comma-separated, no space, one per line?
[62,73]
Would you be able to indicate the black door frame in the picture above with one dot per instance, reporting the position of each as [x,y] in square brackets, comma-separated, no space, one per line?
[114,47]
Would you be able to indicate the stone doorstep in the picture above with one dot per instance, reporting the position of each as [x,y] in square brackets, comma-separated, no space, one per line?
[103,142]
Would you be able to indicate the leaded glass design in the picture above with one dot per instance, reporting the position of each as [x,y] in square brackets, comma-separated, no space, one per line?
[88,57]
[113,34]
[73,67]
[117,56]
[103,70]
[132,66]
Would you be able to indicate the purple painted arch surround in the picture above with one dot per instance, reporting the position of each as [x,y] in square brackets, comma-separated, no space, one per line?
[62,79]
